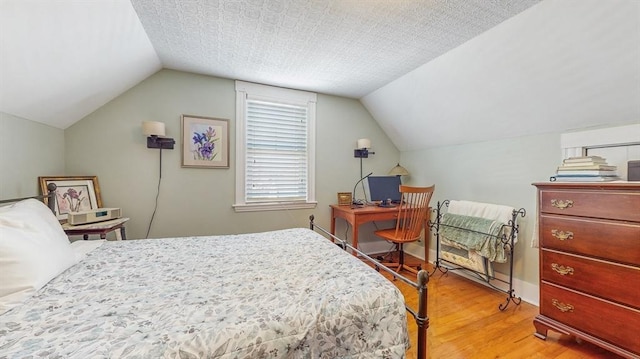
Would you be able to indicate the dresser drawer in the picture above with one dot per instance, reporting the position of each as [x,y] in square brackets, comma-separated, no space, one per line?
[617,241]
[609,321]
[592,203]
[616,282]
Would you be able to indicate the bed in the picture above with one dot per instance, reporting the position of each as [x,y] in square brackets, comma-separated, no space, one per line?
[281,294]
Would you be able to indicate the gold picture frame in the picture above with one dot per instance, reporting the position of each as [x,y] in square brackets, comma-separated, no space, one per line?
[205,142]
[344,198]
[73,193]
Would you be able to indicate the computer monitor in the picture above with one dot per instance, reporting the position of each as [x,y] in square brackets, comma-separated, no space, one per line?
[384,187]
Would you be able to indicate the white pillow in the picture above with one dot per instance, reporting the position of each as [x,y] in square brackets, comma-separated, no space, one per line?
[33,250]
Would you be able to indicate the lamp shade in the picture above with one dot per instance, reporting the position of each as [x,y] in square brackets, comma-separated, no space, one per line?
[364,143]
[153,128]
[399,171]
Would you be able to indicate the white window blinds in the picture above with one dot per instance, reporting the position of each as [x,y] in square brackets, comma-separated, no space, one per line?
[276,152]
[275,148]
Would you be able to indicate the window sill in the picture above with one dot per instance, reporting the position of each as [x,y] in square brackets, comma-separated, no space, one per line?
[254,207]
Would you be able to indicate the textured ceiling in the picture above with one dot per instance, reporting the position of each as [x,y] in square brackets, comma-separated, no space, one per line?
[341,47]
[430,72]
[61,60]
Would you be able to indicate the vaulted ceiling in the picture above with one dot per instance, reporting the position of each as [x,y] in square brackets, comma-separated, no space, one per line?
[560,66]
[411,62]
[341,47]
[63,59]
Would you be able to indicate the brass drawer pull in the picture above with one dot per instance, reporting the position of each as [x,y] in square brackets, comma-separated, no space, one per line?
[558,203]
[562,270]
[561,306]
[562,235]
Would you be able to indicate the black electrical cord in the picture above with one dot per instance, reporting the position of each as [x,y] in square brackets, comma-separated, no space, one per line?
[157,195]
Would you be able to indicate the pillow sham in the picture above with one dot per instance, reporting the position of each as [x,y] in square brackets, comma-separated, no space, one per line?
[33,250]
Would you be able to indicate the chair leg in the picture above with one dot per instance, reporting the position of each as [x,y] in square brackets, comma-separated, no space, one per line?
[410,269]
[395,265]
[401,261]
[400,265]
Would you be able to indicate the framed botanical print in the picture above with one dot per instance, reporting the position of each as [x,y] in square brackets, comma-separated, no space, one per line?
[205,142]
[73,193]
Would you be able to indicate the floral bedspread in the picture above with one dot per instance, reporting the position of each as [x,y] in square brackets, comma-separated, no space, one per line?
[281,294]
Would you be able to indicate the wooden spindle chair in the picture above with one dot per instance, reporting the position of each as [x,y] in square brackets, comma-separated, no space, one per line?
[412,215]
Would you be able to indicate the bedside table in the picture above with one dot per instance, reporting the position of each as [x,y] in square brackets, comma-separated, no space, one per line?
[101,228]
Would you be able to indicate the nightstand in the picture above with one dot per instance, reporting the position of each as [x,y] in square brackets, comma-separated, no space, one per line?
[101,228]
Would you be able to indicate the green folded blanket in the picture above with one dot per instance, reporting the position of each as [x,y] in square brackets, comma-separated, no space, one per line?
[475,233]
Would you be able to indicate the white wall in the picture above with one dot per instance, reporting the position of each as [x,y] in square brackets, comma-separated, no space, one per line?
[499,172]
[483,121]
[558,66]
[27,150]
[193,201]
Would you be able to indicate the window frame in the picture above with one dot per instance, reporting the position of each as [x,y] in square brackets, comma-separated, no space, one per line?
[246,90]
[585,142]
[575,144]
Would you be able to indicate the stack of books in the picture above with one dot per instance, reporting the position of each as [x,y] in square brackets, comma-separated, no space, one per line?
[586,169]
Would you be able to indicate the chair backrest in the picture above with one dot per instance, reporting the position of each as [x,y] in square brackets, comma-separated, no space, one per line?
[412,212]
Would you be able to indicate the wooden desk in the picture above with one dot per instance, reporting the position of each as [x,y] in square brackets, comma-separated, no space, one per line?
[101,228]
[358,215]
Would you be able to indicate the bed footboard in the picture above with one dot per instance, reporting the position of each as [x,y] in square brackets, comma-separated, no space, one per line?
[420,315]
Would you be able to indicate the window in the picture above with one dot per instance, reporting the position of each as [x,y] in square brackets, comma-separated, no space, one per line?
[275,148]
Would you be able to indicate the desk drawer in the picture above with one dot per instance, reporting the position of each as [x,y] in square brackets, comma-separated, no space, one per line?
[617,241]
[609,321]
[592,203]
[600,278]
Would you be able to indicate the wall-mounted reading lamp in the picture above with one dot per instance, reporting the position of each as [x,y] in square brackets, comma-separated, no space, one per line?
[362,150]
[156,132]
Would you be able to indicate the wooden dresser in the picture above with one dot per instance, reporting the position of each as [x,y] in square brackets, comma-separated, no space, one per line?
[590,263]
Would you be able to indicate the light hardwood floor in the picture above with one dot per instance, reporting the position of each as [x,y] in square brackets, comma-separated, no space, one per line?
[465,322]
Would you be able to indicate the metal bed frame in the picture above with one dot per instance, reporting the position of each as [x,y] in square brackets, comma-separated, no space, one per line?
[420,316]
[50,197]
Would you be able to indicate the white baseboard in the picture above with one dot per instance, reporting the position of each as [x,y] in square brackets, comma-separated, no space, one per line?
[527,291]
